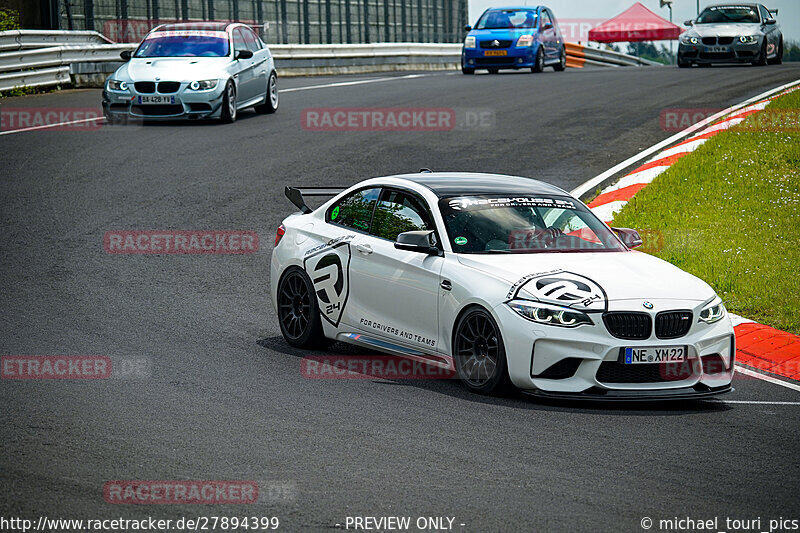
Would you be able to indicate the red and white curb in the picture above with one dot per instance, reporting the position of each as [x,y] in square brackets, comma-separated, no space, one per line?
[761,348]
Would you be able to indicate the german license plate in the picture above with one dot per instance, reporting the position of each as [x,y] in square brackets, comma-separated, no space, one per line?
[652,355]
[156,99]
[495,53]
[716,49]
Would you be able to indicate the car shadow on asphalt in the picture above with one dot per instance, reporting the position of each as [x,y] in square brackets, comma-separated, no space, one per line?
[515,399]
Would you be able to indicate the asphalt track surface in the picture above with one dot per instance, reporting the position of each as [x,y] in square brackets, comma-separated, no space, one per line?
[223,397]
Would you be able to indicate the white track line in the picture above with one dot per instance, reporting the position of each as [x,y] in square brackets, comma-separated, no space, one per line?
[357,82]
[755,402]
[770,379]
[599,179]
[48,126]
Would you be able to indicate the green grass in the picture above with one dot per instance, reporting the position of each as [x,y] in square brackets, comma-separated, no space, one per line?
[729,213]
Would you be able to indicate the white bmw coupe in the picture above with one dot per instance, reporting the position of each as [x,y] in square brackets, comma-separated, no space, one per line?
[507,280]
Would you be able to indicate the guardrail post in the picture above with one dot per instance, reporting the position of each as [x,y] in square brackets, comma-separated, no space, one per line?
[185,9]
[123,9]
[403,21]
[347,21]
[88,14]
[420,30]
[386,20]
[435,8]
[284,24]
[366,21]
[155,9]
[235,9]
[306,27]
[328,22]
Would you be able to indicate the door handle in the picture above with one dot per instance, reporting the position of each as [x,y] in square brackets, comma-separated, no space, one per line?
[365,249]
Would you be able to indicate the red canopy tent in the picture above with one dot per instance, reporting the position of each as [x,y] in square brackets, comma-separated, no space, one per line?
[636,24]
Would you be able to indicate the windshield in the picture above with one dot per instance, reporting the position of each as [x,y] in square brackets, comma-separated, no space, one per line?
[187,43]
[728,14]
[504,19]
[524,224]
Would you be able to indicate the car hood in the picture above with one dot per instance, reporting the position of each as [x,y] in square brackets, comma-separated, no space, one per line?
[174,68]
[723,30]
[608,275]
[483,35]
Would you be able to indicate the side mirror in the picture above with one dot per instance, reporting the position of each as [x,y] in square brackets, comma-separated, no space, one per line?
[467,28]
[418,241]
[688,23]
[126,55]
[243,54]
[547,26]
[770,22]
[630,237]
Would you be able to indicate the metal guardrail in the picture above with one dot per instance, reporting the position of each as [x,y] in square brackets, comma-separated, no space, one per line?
[35,78]
[61,55]
[19,39]
[32,58]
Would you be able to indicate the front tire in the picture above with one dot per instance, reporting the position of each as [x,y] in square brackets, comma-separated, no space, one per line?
[468,71]
[539,66]
[229,111]
[298,312]
[778,59]
[479,353]
[270,104]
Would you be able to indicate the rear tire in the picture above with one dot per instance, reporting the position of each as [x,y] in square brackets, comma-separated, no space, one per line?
[479,354]
[539,66]
[561,66]
[229,111]
[270,104]
[298,312]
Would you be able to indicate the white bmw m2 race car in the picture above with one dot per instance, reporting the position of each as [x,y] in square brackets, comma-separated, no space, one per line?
[507,280]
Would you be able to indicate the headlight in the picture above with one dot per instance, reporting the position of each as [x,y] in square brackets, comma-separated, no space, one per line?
[712,313]
[525,40]
[115,85]
[204,85]
[469,42]
[550,314]
[748,39]
[689,40]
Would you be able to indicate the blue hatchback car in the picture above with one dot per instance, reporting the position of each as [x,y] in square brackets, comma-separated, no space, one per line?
[514,38]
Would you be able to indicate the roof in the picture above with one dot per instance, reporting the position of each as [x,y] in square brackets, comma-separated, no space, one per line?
[208,26]
[637,23]
[444,184]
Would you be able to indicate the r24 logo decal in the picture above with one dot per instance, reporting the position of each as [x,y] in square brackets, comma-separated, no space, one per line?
[329,270]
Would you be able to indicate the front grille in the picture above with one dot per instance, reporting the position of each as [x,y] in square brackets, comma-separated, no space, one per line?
[616,372]
[157,110]
[564,369]
[725,40]
[494,61]
[717,55]
[628,325]
[166,87]
[673,324]
[500,44]
[709,41]
[145,86]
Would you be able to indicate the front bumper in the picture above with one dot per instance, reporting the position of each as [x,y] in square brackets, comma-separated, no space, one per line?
[736,53]
[586,362]
[515,57]
[184,103]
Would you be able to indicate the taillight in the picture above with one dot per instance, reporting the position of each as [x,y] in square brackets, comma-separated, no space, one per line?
[279,234]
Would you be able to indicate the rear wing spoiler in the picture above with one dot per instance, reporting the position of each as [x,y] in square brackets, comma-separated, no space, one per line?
[297,195]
